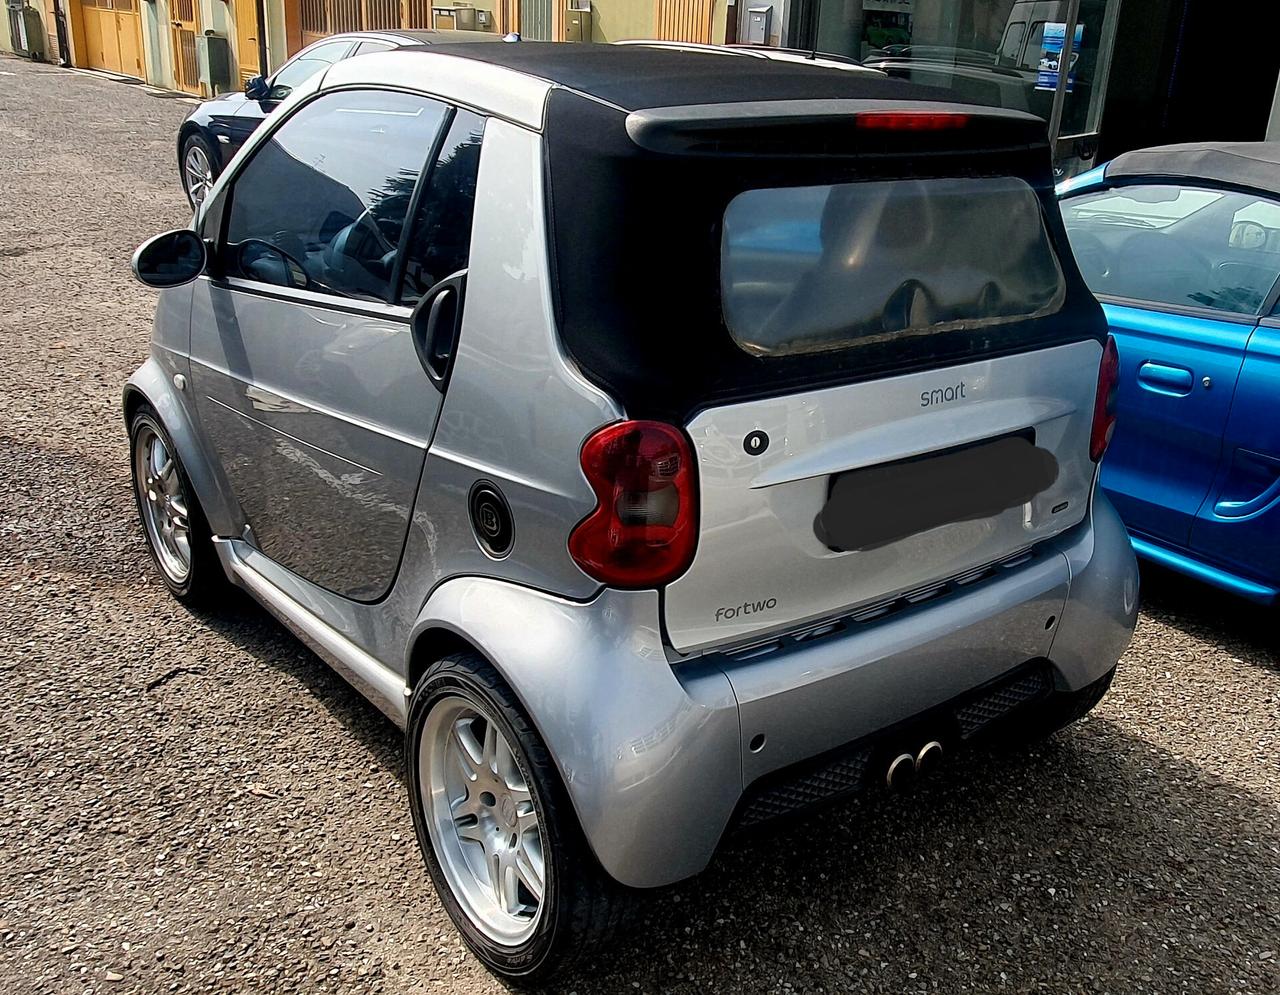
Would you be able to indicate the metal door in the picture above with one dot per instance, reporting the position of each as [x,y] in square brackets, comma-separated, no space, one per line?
[186,67]
[1177,374]
[317,404]
[1239,523]
[535,20]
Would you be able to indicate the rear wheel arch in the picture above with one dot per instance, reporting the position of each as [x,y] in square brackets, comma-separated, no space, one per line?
[440,640]
[435,643]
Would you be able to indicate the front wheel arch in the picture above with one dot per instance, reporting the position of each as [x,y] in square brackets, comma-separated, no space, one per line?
[188,130]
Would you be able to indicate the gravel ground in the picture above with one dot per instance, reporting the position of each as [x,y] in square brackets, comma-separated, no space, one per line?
[198,804]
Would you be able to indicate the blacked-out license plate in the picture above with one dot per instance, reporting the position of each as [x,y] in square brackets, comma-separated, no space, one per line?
[881,504]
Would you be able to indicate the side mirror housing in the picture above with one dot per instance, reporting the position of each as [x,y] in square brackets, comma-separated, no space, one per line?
[171,259]
[255,88]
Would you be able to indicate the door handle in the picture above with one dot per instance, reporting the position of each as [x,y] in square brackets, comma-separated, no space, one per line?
[1171,380]
[435,324]
[1250,506]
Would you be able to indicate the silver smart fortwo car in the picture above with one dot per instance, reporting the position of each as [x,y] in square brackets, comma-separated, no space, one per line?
[665,439]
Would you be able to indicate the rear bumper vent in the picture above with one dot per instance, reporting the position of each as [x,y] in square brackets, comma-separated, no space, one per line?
[848,770]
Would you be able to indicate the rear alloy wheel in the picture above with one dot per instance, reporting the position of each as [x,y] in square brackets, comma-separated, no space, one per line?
[496,829]
[197,170]
[484,822]
[177,534]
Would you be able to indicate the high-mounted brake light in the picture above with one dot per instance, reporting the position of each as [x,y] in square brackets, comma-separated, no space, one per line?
[1104,401]
[644,528]
[910,120]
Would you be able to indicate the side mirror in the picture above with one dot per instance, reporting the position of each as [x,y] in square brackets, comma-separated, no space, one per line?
[255,88]
[171,259]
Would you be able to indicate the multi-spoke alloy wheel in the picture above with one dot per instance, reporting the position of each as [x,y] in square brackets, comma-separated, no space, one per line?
[177,532]
[197,173]
[496,827]
[163,503]
[483,819]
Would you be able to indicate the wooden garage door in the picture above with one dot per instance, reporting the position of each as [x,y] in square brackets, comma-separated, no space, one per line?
[113,36]
[684,20]
[328,17]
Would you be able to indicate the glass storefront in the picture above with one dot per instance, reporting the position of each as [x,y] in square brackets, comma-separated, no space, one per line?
[1005,53]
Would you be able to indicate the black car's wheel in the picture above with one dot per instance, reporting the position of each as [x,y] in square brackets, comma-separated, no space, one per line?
[175,528]
[198,169]
[496,828]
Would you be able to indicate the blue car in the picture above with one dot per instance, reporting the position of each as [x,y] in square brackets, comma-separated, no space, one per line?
[1181,244]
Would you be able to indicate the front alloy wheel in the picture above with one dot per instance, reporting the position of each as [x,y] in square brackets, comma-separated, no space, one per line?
[163,504]
[197,172]
[172,520]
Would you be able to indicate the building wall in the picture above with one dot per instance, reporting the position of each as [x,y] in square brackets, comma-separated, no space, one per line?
[618,20]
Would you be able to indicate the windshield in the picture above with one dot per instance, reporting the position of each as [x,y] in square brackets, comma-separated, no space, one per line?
[814,268]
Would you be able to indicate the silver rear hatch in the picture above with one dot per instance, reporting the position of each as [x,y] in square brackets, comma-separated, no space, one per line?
[761,565]
[848,498]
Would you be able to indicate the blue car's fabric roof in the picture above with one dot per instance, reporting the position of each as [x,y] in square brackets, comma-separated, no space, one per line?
[1254,165]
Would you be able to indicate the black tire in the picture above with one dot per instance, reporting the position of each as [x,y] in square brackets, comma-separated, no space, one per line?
[582,905]
[1062,708]
[205,584]
[197,141]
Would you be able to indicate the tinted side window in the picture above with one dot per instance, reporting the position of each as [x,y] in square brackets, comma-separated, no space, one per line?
[322,204]
[1172,244]
[441,237]
[302,69]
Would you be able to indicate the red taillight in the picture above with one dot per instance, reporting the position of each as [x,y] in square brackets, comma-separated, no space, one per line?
[1104,401]
[644,528]
[910,120]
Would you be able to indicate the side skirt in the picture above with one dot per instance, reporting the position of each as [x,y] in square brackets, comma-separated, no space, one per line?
[1184,564]
[372,678]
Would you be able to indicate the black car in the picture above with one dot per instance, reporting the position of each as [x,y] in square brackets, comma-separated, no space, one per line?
[214,131]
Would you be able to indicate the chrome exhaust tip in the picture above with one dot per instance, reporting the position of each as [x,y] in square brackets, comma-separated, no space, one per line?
[929,757]
[901,772]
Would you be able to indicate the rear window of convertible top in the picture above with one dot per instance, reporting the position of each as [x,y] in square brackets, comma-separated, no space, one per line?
[815,268]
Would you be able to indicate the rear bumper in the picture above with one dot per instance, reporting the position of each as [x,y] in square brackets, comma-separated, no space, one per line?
[656,759]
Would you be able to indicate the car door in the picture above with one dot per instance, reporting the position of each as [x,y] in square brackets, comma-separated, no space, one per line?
[304,363]
[1238,526]
[1156,255]
[292,74]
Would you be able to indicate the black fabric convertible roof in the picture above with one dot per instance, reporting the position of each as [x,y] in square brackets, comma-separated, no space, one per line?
[636,191]
[636,76]
[1255,165]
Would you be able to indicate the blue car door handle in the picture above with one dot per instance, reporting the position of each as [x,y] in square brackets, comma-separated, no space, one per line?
[1173,380]
[1243,509]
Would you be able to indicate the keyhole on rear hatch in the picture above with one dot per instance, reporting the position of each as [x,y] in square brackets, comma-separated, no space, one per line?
[756,442]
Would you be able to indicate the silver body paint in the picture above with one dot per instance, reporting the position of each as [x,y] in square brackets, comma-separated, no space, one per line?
[646,709]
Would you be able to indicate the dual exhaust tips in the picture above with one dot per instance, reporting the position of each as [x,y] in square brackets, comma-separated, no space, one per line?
[906,767]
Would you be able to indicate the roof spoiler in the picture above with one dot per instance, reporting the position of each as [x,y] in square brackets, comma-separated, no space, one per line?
[830,128]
